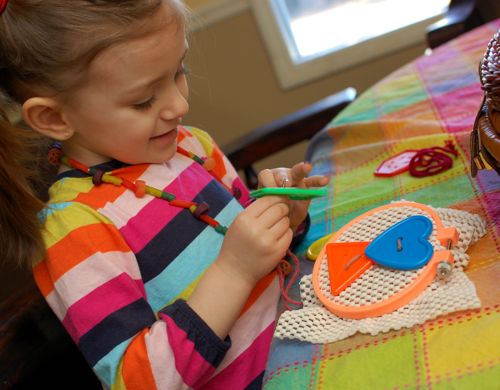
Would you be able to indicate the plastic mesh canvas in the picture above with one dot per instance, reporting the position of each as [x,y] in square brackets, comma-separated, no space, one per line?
[314,323]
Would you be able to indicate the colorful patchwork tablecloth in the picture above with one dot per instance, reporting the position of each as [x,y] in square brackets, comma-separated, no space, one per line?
[433,99]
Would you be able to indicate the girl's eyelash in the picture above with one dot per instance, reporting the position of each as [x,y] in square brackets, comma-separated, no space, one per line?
[148,103]
[145,105]
[182,70]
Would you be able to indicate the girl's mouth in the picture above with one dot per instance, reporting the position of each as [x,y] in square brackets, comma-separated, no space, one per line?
[169,136]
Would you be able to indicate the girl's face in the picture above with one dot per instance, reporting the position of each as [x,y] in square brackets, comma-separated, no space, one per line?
[134,99]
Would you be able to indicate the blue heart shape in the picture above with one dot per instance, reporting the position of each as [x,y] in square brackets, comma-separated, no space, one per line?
[404,245]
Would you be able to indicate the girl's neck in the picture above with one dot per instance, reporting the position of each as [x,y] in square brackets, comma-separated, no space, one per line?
[63,168]
[82,155]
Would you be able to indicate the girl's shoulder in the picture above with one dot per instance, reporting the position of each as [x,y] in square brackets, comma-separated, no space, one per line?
[192,131]
[196,140]
[203,145]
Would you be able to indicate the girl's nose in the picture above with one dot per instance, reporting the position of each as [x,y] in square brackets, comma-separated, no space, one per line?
[176,105]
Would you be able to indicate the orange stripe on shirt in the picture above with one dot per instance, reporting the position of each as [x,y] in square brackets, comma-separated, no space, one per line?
[183,133]
[99,195]
[220,167]
[64,255]
[42,278]
[136,361]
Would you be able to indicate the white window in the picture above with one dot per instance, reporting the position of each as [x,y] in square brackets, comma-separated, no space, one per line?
[307,39]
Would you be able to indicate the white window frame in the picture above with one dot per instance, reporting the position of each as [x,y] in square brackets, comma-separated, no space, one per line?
[290,74]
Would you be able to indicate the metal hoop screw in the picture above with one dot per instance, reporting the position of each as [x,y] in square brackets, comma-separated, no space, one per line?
[443,270]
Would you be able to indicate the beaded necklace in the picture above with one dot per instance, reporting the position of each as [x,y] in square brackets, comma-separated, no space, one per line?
[198,210]
[139,187]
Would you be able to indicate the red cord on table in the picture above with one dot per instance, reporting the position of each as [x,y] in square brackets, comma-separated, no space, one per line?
[420,163]
[431,161]
[286,289]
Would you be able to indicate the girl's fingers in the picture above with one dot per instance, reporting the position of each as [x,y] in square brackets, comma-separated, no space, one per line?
[291,177]
[286,177]
[270,177]
[274,215]
[257,208]
[281,177]
[316,181]
[280,227]
[285,240]
[299,172]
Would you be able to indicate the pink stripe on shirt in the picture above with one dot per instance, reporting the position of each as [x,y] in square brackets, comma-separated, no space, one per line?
[161,358]
[240,371]
[189,363]
[115,294]
[159,213]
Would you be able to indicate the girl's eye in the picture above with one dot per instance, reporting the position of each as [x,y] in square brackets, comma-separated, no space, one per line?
[145,105]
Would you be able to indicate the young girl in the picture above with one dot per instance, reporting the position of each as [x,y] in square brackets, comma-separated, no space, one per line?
[149,260]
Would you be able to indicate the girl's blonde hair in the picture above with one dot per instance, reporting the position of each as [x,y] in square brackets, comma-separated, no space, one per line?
[45,47]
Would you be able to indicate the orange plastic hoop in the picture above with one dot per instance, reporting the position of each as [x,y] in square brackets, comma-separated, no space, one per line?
[446,236]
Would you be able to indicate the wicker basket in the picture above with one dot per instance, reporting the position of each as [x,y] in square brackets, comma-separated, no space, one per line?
[485,136]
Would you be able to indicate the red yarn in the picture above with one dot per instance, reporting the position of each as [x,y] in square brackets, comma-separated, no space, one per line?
[428,162]
[285,289]
[431,161]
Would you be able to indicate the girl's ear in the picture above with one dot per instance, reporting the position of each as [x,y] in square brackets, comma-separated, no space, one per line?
[43,114]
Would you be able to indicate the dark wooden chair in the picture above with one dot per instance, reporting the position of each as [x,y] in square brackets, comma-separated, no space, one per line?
[284,132]
[462,16]
[36,352]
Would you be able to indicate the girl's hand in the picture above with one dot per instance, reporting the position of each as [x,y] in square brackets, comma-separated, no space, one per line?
[256,240]
[294,177]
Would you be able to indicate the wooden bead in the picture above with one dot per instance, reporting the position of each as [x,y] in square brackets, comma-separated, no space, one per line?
[201,209]
[285,267]
[97,177]
[140,188]
[54,156]
[209,164]
[236,191]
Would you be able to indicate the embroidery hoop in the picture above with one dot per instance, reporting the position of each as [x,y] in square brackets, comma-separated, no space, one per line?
[447,236]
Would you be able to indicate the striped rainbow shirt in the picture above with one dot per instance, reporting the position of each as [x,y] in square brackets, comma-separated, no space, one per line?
[118,269]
